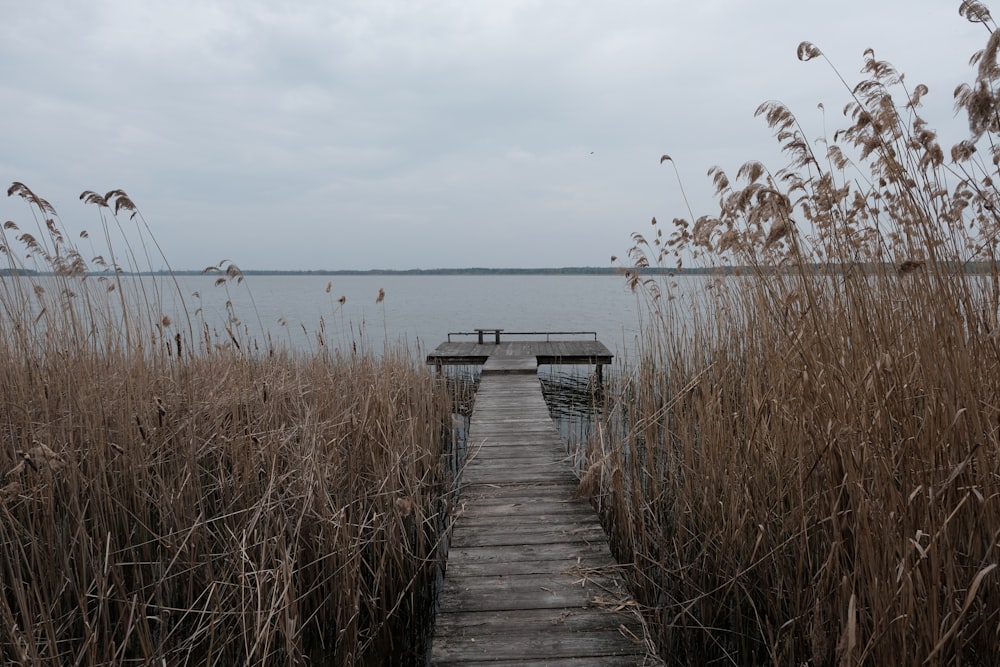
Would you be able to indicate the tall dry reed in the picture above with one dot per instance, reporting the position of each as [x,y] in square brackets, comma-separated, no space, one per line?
[804,466]
[169,497]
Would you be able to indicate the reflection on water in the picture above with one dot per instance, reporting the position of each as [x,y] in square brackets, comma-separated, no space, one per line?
[574,396]
[570,391]
[462,383]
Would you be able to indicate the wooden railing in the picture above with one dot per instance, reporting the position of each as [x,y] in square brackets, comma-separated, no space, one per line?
[495,334]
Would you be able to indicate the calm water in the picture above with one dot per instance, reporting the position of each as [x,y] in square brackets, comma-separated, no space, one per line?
[416,311]
[419,311]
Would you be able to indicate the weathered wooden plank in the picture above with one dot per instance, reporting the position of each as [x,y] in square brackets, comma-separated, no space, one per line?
[513,458]
[500,620]
[561,526]
[529,530]
[559,522]
[510,364]
[497,435]
[538,646]
[487,494]
[540,452]
[546,352]
[486,476]
[502,507]
[494,474]
[513,422]
[499,508]
[525,591]
[523,567]
[520,450]
[599,661]
[523,536]
[586,554]
[547,490]
[521,455]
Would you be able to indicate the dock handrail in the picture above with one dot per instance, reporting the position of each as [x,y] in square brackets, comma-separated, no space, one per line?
[548,334]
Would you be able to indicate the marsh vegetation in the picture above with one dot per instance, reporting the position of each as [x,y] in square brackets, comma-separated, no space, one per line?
[804,466]
[176,493]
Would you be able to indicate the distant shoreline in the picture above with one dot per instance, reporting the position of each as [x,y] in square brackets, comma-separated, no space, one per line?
[564,271]
[470,271]
[965,267]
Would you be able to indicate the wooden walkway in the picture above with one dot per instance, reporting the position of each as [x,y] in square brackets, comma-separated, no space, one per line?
[530,579]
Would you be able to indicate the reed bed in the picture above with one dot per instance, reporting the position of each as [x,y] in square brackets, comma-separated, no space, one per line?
[803,466]
[168,495]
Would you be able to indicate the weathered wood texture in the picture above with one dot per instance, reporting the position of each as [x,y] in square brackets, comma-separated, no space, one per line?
[530,579]
[545,352]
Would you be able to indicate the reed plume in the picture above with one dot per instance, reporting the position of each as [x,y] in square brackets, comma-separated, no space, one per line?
[804,466]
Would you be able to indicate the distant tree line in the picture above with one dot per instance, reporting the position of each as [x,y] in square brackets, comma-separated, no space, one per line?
[832,268]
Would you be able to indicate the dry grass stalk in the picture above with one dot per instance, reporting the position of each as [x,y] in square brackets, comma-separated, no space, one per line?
[804,467]
[173,498]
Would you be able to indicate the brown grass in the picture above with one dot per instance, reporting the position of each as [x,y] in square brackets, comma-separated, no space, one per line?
[804,466]
[168,497]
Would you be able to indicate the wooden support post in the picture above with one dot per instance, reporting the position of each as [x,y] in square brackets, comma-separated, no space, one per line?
[496,335]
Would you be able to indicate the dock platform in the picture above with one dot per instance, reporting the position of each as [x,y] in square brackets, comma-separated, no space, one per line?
[582,348]
[530,579]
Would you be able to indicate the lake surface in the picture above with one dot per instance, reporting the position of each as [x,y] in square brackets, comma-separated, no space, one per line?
[294,311]
[418,311]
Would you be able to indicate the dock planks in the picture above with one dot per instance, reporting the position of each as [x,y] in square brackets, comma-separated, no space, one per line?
[545,352]
[530,579]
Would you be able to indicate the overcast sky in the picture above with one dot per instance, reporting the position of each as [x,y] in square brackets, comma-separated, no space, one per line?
[357,134]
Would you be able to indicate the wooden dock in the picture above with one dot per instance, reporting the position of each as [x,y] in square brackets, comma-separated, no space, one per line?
[546,352]
[530,579]
[584,348]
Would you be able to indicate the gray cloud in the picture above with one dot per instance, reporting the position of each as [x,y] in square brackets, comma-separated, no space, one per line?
[426,134]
